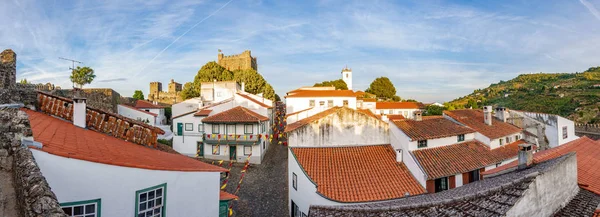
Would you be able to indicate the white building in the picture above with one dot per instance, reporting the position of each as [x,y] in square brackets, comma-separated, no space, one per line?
[299,100]
[154,109]
[347,77]
[342,156]
[94,173]
[212,92]
[191,132]
[405,109]
[556,129]
[136,114]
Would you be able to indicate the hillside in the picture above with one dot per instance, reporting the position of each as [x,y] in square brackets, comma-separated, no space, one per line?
[572,95]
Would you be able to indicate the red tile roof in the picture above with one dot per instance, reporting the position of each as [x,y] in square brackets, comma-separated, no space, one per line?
[255,101]
[146,104]
[235,115]
[474,119]
[588,161]
[357,173]
[320,115]
[145,112]
[397,105]
[322,93]
[226,196]
[62,138]
[395,117]
[431,128]
[462,157]
[203,112]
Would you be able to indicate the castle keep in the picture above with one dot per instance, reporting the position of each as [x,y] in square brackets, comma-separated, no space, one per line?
[172,95]
[238,61]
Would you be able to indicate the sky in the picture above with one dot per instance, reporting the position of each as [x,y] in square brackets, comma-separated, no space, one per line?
[432,51]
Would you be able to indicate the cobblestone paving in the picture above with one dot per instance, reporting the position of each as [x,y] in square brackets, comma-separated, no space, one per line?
[264,190]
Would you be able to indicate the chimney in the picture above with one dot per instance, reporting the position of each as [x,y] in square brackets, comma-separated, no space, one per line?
[501,114]
[418,115]
[79,111]
[399,155]
[243,87]
[487,115]
[525,155]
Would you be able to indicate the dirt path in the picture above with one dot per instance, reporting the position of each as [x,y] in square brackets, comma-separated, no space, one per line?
[8,197]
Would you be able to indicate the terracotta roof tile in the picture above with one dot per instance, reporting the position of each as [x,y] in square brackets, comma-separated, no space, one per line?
[395,117]
[431,128]
[146,104]
[588,159]
[462,157]
[255,101]
[62,138]
[226,196]
[321,93]
[474,119]
[203,112]
[145,112]
[357,173]
[397,105]
[235,115]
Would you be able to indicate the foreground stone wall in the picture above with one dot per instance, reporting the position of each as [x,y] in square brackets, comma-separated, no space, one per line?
[8,69]
[105,99]
[34,196]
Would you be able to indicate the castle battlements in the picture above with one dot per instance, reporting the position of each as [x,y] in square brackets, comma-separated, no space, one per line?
[237,61]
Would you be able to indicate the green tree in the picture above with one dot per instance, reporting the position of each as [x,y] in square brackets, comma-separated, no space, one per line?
[82,76]
[472,104]
[338,84]
[254,83]
[434,110]
[382,87]
[168,114]
[189,90]
[269,93]
[396,98]
[277,98]
[24,81]
[138,94]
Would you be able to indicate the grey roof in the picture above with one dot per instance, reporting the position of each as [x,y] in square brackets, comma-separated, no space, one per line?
[489,197]
[583,204]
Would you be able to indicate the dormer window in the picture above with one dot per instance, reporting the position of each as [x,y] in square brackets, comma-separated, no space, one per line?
[422,144]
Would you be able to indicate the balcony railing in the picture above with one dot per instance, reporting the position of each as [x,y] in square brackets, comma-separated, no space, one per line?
[232,138]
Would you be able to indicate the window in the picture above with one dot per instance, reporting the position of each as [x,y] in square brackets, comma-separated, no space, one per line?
[151,201]
[189,127]
[230,129]
[405,114]
[219,94]
[247,150]
[201,128]
[295,210]
[498,164]
[88,208]
[422,143]
[345,102]
[311,103]
[565,133]
[507,140]
[501,142]
[329,103]
[295,181]
[390,111]
[248,129]
[516,138]
[215,150]
[441,184]
[321,103]
[474,176]
[215,129]
[461,137]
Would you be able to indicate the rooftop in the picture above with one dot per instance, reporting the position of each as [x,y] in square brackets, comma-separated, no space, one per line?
[235,115]
[462,157]
[320,115]
[146,104]
[136,109]
[431,128]
[255,101]
[357,173]
[321,93]
[397,105]
[474,119]
[203,112]
[62,138]
[489,197]
[588,159]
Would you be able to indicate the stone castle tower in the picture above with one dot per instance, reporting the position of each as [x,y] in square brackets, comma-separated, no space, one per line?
[237,61]
[172,96]
[347,77]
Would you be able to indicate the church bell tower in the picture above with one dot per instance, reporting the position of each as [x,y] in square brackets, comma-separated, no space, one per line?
[347,77]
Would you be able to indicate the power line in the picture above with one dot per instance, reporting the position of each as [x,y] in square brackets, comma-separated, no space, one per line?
[73,65]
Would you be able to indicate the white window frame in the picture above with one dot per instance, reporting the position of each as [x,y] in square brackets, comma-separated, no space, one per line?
[157,210]
[460,140]
[213,128]
[201,127]
[294,181]
[246,148]
[83,204]
[190,125]
[329,103]
[419,145]
[246,128]
[565,133]
[311,103]
[213,150]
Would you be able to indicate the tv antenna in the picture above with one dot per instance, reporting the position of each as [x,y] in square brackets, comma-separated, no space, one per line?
[73,65]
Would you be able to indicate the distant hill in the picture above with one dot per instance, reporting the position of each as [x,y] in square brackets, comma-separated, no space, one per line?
[572,95]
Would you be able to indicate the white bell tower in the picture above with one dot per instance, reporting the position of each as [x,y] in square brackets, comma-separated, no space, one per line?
[347,77]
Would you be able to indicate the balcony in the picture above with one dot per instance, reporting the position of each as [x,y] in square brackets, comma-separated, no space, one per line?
[230,139]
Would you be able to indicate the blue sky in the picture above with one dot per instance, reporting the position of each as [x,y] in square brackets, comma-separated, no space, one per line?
[431,50]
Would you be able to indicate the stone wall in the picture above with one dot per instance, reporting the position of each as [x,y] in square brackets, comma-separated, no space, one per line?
[239,61]
[33,194]
[8,69]
[105,99]
[590,130]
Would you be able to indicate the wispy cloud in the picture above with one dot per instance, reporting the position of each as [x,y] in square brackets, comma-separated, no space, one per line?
[591,8]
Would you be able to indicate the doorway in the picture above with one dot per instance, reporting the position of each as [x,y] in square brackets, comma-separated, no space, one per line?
[232,150]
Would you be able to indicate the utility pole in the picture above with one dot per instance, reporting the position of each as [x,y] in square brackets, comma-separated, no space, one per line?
[73,67]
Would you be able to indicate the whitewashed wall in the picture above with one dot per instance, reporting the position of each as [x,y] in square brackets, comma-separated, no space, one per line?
[294,104]
[136,114]
[407,113]
[399,140]
[187,144]
[495,143]
[188,193]
[186,106]
[346,127]
[563,122]
[444,141]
